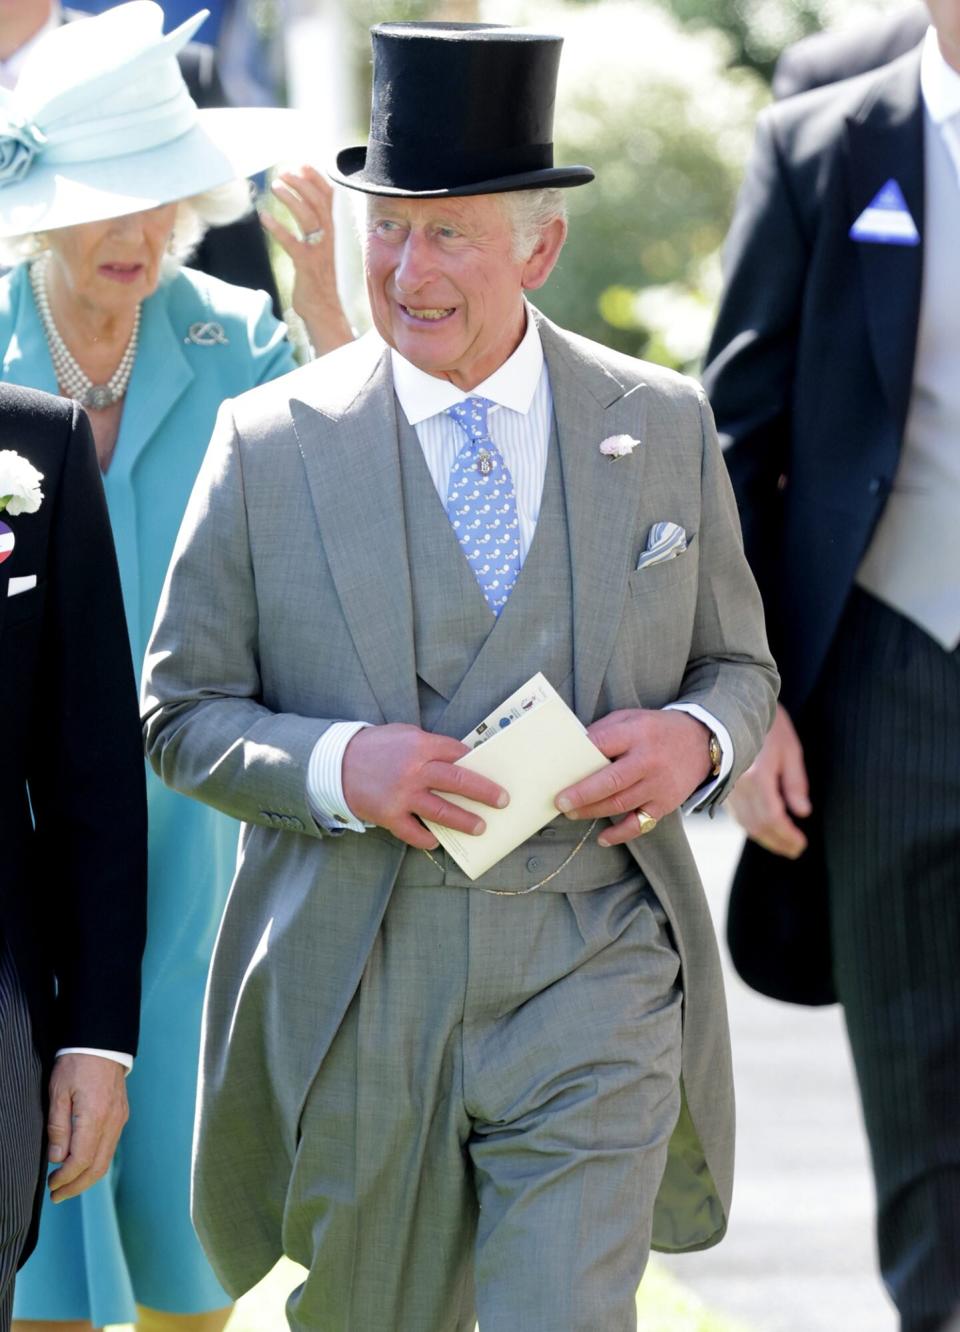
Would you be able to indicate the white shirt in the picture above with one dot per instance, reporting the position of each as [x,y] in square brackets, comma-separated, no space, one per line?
[10,69]
[940,90]
[520,424]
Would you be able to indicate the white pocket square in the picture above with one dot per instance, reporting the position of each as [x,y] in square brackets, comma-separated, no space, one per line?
[23,584]
[665,542]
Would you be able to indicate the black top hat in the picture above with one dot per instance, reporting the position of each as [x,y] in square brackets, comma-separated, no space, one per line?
[459,108]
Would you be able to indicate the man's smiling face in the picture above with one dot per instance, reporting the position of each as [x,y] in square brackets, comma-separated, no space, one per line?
[445,288]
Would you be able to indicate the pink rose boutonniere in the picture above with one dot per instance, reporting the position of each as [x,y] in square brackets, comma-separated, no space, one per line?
[618,446]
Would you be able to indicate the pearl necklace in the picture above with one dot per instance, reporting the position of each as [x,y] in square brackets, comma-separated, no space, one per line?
[73,382]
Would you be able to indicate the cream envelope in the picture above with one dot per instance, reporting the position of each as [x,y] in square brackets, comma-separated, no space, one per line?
[534,758]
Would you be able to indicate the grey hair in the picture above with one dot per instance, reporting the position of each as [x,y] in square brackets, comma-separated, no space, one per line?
[528,212]
[194,217]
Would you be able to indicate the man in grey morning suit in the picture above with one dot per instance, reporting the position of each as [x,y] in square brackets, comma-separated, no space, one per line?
[450,1099]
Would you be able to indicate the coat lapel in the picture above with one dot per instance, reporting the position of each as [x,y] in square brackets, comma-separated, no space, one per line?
[355,484]
[602,498]
[886,142]
[151,396]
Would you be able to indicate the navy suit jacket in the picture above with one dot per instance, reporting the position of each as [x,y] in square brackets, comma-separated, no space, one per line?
[809,373]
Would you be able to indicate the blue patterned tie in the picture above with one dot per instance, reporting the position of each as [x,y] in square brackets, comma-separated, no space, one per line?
[482,505]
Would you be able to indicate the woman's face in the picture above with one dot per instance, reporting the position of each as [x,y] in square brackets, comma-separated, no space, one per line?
[112,265]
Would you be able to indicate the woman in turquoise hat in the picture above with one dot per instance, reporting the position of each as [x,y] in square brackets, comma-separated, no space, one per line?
[108,176]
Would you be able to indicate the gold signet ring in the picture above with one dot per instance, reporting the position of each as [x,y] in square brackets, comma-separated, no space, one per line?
[646,821]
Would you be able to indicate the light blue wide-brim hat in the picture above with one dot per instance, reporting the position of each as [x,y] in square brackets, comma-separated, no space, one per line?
[101,124]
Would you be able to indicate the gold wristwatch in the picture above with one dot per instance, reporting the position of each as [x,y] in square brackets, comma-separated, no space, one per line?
[716,755]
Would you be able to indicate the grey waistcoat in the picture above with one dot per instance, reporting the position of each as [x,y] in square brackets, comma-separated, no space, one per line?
[468,661]
[913,561]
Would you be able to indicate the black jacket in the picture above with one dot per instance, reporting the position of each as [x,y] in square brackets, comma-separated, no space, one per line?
[72,785]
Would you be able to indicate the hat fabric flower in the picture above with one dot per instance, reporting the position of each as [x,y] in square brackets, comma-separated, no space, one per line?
[618,446]
[20,142]
[19,484]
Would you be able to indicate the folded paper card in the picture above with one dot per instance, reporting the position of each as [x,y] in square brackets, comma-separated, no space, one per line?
[534,746]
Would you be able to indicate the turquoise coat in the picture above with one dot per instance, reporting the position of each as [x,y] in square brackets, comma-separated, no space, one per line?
[201,341]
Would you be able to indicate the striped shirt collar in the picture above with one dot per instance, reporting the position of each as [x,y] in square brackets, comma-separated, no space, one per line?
[512,384]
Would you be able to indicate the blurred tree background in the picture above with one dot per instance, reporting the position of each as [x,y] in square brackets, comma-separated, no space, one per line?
[660,97]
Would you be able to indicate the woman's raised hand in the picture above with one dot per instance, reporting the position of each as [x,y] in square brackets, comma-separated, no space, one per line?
[309,197]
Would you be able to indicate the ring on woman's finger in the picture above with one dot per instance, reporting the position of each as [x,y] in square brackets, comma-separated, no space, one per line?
[314,237]
[646,821]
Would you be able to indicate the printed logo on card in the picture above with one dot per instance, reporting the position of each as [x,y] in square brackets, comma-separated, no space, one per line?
[886,219]
[7,542]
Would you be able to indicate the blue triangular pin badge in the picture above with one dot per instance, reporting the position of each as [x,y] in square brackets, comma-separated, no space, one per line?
[886,219]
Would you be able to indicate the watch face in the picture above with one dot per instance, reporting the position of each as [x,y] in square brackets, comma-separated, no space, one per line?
[716,755]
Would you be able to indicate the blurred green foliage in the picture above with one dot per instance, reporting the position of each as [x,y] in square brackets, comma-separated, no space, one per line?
[757,30]
[666,123]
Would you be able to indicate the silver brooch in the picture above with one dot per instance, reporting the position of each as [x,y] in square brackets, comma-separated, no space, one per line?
[207,333]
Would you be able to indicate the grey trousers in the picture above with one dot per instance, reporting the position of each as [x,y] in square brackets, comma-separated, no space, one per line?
[490,1127]
[21,1128]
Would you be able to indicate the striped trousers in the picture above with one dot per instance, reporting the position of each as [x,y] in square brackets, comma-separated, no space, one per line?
[889,798]
[21,1128]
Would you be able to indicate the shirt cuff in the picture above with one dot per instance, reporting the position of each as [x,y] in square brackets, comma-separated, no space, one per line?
[700,798]
[118,1058]
[324,785]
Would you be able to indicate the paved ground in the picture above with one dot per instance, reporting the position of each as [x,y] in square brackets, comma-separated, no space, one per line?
[799,1255]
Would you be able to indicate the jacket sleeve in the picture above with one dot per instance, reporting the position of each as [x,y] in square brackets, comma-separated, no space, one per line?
[729,673]
[86,770]
[208,733]
[751,359]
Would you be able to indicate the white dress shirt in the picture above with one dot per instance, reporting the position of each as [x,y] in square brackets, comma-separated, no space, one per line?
[940,89]
[520,424]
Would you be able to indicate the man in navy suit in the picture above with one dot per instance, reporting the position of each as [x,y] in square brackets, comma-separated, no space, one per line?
[73,815]
[833,375]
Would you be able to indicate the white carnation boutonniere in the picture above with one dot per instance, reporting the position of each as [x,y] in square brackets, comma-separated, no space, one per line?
[618,446]
[19,484]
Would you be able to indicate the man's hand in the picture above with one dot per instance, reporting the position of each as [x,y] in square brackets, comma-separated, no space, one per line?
[88,1108]
[390,776]
[660,758]
[774,787]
